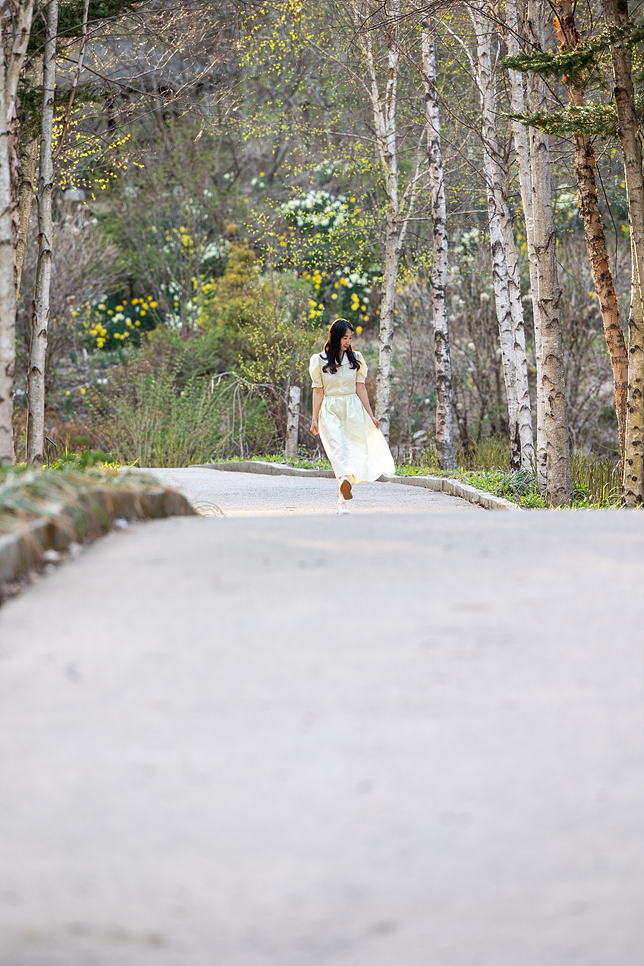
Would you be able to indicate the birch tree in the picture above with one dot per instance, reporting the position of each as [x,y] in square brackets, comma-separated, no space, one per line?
[40,314]
[505,267]
[29,144]
[616,15]
[444,432]
[398,207]
[511,29]
[555,421]
[15,25]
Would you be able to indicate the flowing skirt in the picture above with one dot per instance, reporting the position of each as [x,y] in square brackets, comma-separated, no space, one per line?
[354,446]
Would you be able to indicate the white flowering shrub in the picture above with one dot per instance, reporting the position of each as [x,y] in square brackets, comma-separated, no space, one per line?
[317,211]
[327,170]
[214,256]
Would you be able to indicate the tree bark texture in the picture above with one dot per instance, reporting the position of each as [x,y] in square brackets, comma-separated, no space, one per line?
[496,203]
[522,150]
[596,243]
[616,15]
[443,363]
[293,422]
[29,145]
[384,113]
[524,408]
[555,420]
[40,313]
[634,443]
[15,25]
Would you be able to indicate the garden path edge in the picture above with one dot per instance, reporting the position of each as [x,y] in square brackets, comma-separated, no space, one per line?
[437,483]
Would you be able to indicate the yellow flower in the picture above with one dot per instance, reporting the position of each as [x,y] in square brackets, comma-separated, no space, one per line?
[82,392]
[119,308]
[68,393]
[109,312]
[358,329]
[137,322]
[334,296]
[153,305]
[144,305]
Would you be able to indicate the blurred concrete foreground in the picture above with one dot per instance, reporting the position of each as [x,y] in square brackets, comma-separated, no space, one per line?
[387,740]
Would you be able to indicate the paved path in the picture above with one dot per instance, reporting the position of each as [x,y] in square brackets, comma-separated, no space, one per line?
[381,740]
[223,493]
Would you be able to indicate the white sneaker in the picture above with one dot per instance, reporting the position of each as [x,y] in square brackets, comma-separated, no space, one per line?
[342,506]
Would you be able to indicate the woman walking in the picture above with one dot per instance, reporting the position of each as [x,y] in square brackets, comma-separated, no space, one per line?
[342,416]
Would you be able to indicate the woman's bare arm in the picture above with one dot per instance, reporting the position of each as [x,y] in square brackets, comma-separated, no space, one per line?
[363,396]
[318,396]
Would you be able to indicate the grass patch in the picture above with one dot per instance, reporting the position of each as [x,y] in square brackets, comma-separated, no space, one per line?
[596,479]
[28,492]
[299,462]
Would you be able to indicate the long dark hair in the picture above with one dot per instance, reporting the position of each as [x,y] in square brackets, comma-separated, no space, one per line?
[337,331]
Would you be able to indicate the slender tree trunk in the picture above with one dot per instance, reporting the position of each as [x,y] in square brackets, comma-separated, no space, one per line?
[15,25]
[40,315]
[634,442]
[293,422]
[385,122]
[443,362]
[555,424]
[496,205]
[595,235]
[28,163]
[616,15]
[524,409]
[521,146]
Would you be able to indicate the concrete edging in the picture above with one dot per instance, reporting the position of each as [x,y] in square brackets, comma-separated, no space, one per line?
[437,483]
[69,523]
[266,469]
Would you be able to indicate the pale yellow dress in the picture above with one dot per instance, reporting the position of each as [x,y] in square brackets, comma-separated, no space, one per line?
[354,446]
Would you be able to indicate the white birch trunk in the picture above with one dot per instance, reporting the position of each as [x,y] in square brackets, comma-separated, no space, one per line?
[496,207]
[384,113]
[617,15]
[524,409]
[555,419]
[293,422]
[444,431]
[520,139]
[28,163]
[15,25]
[40,314]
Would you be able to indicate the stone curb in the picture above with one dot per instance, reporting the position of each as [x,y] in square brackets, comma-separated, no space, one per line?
[266,469]
[67,523]
[438,483]
[455,488]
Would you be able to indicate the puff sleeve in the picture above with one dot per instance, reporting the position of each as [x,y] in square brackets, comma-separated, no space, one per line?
[315,371]
[363,370]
